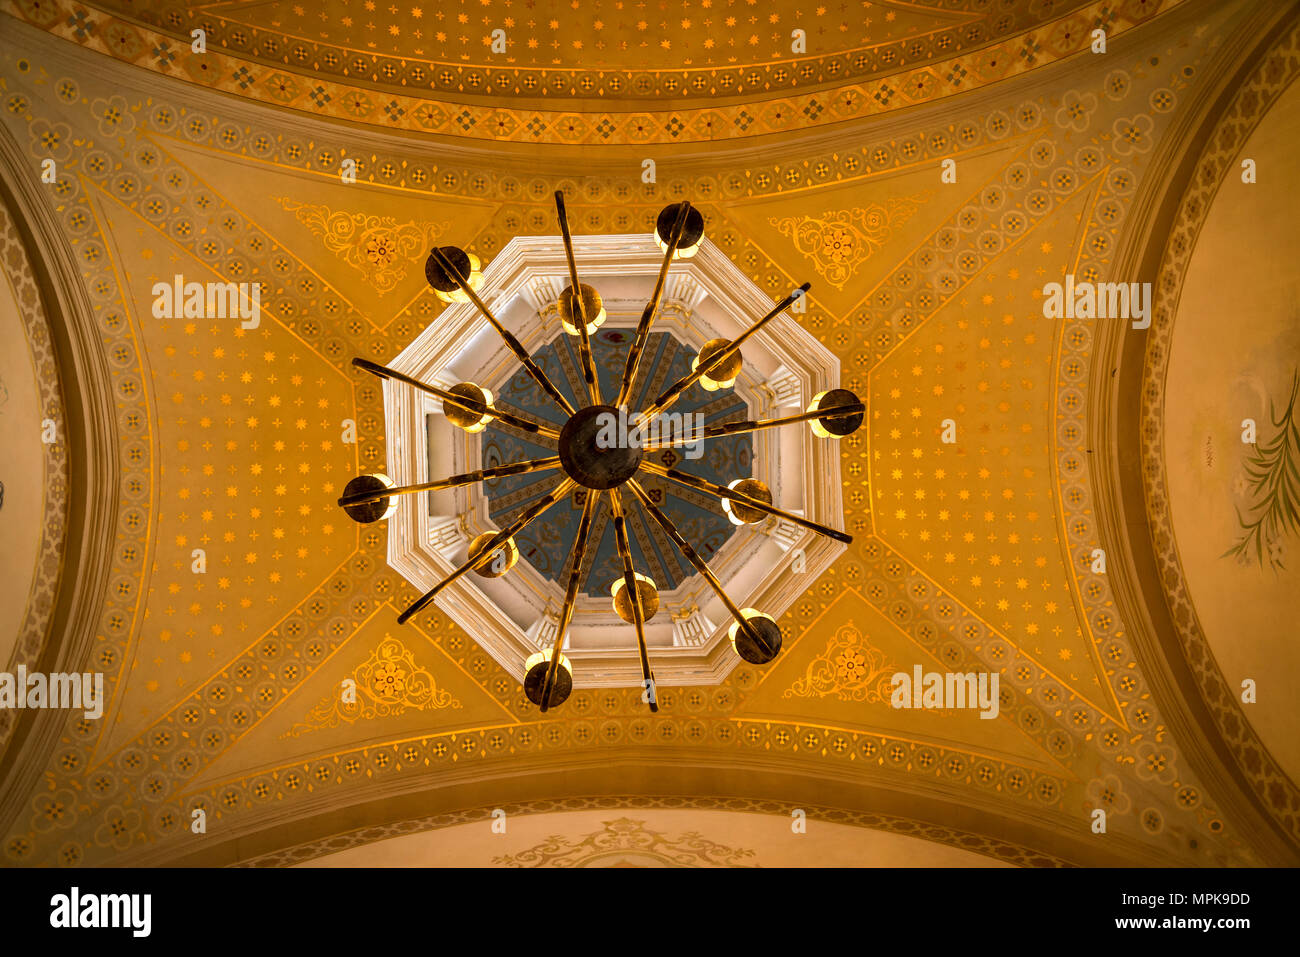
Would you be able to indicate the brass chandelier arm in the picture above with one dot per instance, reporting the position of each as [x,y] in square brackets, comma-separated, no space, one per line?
[651,308]
[511,342]
[383,372]
[721,491]
[629,583]
[466,478]
[753,425]
[673,392]
[700,565]
[570,595]
[532,512]
[579,307]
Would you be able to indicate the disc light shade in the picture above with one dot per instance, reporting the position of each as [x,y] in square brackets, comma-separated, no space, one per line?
[444,284]
[535,668]
[502,560]
[837,427]
[724,375]
[769,631]
[738,512]
[593,308]
[692,232]
[646,590]
[464,418]
[375,511]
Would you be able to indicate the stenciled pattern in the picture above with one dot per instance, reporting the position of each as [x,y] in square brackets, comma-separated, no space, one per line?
[603,50]
[387,683]
[851,668]
[627,837]
[378,247]
[321,96]
[839,241]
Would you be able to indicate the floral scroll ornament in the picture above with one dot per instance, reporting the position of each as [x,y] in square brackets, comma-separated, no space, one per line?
[378,247]
[839,241]
[388,683]
[629,843]
[850,668]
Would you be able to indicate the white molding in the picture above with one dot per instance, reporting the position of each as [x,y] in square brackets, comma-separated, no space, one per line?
[787,389]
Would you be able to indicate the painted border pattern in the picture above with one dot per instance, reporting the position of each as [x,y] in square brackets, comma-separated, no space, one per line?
[164,54]
[1006,851]
[1278,69]
[49,559]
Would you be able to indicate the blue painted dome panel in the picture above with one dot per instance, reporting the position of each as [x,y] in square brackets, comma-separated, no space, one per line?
[548,541]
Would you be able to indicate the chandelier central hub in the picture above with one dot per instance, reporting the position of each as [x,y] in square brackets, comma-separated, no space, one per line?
[598,449]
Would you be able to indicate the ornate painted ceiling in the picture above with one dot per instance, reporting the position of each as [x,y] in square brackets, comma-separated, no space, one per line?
[1120,691]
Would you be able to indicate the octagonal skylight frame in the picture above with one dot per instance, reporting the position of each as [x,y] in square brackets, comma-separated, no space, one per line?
[706,297]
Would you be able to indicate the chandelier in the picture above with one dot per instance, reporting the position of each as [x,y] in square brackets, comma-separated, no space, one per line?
[602,449]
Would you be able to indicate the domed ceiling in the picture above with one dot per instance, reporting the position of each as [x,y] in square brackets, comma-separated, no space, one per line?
[972,550]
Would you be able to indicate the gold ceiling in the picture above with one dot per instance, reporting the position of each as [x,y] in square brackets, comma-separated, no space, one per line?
[618,41]
[612,35]
[909,54]
[825,166]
